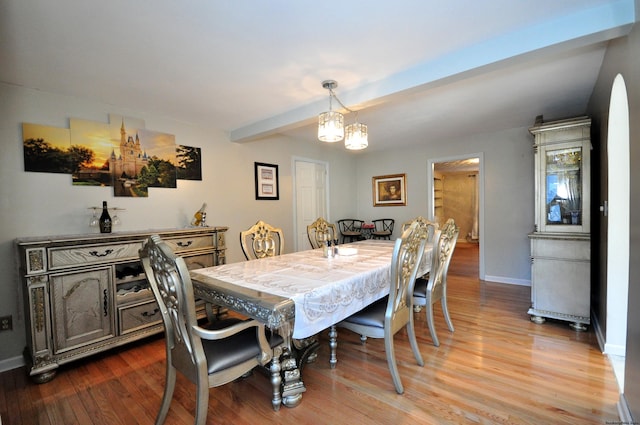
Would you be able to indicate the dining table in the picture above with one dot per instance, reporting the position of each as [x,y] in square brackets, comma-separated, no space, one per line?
[300,294]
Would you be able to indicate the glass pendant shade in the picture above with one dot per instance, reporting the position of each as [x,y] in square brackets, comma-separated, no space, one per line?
[356,136]
[330,126]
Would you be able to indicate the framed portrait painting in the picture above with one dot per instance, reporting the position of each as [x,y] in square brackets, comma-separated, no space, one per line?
[266,181]
[389,190]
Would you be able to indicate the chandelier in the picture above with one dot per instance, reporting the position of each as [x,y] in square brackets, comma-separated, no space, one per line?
[331,124]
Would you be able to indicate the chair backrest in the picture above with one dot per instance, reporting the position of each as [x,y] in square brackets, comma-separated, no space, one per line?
[407,254]
[431,226]
[441,257]
[384,225]
[170,282]
[262,240]
[350,225]
[419,219]
[321,230]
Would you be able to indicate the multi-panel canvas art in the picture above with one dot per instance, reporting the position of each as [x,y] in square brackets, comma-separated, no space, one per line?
[123,154]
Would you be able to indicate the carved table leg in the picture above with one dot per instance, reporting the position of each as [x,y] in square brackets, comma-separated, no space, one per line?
[293,386]
[276,379]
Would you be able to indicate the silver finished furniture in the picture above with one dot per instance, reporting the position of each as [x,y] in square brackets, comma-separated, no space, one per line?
[261,240]
[561,240]
[293,294]
[429,291]
[383,228]
[384,318]
[208,357]
[350,229]
[319,231]
[419,219]
[68,279]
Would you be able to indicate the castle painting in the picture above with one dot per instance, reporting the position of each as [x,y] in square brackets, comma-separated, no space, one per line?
[122,154]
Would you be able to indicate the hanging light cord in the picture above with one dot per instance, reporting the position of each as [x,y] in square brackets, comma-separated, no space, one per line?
[341,104]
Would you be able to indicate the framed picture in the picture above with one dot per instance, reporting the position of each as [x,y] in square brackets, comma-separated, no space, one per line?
[389,190]
[266,181]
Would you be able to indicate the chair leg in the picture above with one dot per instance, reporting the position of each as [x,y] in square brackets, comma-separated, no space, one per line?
[411,330]
[393,367]
[169,386]
[333,345]
[432,328]
[445,310]
[202,402]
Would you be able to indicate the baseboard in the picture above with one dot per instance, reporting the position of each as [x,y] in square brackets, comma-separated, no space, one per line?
[598,331]
[624,412]
[507,280]
[12,363]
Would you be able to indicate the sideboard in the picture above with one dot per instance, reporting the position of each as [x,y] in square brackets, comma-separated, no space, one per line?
[84,294]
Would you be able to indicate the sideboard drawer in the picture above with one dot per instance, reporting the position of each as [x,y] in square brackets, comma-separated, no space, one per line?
[191,243]
[92,254]
[134,317]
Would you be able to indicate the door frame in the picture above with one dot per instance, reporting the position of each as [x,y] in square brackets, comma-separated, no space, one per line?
[430,194]
[294,160]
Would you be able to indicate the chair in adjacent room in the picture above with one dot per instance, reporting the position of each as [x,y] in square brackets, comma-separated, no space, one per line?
[351,229]
[428,291]
[383,228]
[385,317]
[208,356]
[262,240]
[320,231]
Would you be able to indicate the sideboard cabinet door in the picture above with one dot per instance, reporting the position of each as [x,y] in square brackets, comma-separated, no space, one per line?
[81,303]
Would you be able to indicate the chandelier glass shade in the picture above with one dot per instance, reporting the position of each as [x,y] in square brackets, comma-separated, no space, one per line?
[330,126]
[356,136]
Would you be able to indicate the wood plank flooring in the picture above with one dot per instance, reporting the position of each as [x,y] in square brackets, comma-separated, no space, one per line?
[496,368]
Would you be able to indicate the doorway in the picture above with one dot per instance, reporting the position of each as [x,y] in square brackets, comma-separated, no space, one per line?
[311,197]
[463,166]
[616,220]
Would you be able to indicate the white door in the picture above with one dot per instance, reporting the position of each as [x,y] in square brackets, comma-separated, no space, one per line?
[311,198]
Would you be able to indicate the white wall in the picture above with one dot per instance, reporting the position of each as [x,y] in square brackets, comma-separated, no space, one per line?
[41,204]
[508,181]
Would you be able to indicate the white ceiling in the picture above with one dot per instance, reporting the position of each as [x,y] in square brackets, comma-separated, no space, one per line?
[419,71]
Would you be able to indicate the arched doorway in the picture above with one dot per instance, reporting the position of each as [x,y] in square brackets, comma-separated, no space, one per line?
[617,219]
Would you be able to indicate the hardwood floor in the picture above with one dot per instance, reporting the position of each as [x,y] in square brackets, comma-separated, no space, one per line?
[496,368]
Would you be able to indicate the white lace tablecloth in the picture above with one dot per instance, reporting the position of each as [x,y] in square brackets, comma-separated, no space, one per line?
[324,290]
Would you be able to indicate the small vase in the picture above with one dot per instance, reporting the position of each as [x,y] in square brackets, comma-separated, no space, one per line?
[575,217]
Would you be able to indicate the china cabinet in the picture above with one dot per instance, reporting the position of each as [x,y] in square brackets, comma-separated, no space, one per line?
[84,294]
[560,242]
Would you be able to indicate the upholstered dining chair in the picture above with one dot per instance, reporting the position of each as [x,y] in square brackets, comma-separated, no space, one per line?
[385,317]
[351,229]
[419,219]
[383,228]
[262,240]
[319,229]
[208,357]
[428,291]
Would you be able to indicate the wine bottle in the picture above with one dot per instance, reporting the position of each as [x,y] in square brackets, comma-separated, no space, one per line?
[105,219]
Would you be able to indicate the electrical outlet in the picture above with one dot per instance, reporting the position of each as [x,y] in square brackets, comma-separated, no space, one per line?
[6,323]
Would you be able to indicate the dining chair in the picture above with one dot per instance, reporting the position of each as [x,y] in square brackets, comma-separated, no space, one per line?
[428,291]
[351,229]
[383,228]
[262,240]
[387,316]
[419,219]
[208,356]
[320,229]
